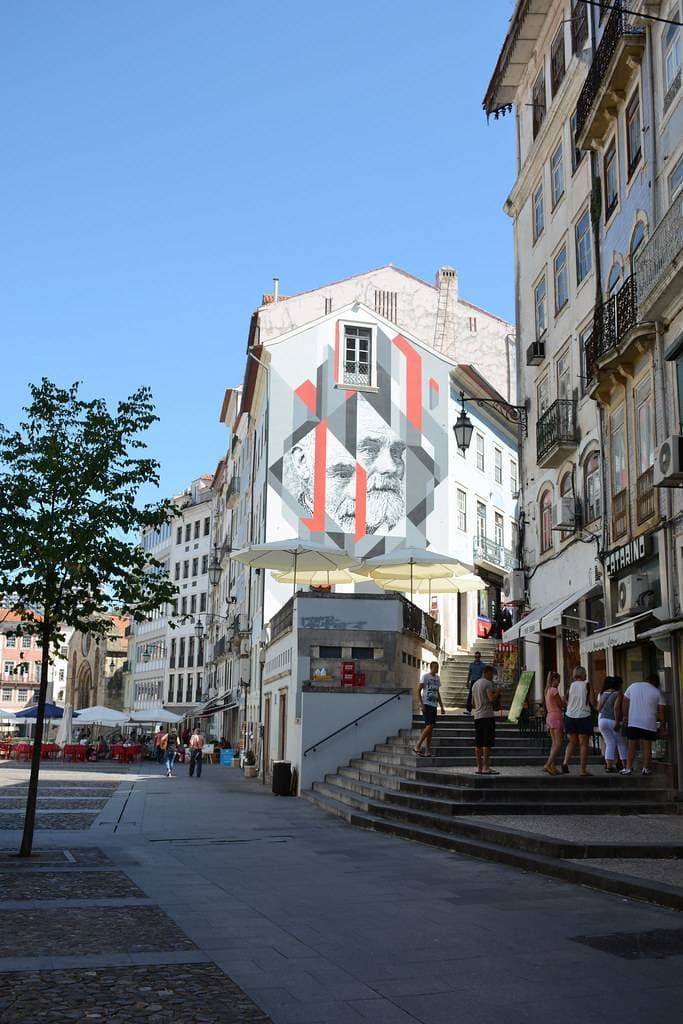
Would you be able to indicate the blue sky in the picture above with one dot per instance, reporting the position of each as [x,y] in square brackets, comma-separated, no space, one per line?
[164,159]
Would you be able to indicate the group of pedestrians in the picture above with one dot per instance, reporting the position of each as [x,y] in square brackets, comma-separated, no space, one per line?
[625,721]
[485,702]
[167,744]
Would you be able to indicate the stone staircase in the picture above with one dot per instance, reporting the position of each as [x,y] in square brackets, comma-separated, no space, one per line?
[454,673]
[440,801]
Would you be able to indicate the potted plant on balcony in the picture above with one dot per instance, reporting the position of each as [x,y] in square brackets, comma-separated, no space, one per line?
[250,769]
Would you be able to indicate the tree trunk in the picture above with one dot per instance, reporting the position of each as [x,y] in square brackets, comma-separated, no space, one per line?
[32,799]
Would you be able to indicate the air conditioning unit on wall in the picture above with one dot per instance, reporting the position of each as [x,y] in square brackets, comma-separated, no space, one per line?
[634,594]
[668,468]
[514,587]
[564,514]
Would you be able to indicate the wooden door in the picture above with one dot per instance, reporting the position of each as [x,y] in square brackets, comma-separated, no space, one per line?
[266,735]
[282,731]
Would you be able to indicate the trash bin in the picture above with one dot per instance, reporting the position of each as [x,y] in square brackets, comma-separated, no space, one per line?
[226,757]
[282,777]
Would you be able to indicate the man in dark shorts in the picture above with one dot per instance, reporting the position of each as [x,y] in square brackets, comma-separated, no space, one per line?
[429,698]
[643,706]
[485,699]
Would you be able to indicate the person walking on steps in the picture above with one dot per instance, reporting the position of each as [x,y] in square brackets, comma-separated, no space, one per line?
[610,712]
[643,705]
[554,720]
[196,752]
[485,702]
[578,720]
[474,672]
[429,699]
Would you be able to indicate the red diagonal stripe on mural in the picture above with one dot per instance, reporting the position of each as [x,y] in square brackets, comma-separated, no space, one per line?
[413,408]
[361,495]
[308,394]
[317,521]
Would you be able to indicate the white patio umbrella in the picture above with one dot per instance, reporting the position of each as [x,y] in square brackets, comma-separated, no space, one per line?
[452,585]
[414,564]
[64,731]
[321,577]
[294,556]
[158,714]
[99,715]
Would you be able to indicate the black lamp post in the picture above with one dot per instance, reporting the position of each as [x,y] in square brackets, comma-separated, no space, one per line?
[214,569]
[464,428]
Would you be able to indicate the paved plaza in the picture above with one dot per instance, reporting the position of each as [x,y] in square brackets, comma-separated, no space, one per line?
[212,900]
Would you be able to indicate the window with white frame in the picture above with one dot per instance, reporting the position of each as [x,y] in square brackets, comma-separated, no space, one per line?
[671,56]
[26,642]
[592,491]
[542,395]
[611,179]
[557,175]
[357,367]
[561,279]
[584,255]
[481,521]
[540,308]
[546,513]
[8,668]
[498,530]
[513,477]
[22,694]
[462,509]
[538,212]
[644,427]
[10,641]
[577,154]
[481,463]
[633,133]
[557,60]
[6,693]
[498,465]
[538,105]
[564,377]
[676,179]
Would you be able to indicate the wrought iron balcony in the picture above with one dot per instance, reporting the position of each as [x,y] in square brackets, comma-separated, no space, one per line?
[485,550]
[556,431]
[659,267]
[418,622]
[622,42]
[646,503]
[619,514]
[232,495]
[612,321]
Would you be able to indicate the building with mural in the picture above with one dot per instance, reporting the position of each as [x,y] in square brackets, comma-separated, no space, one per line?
[340,435]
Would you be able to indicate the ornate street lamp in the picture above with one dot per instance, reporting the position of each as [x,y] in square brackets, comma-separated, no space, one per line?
[214,569]
[463,427]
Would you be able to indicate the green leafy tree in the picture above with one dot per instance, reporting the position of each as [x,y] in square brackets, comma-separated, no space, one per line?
[70,478]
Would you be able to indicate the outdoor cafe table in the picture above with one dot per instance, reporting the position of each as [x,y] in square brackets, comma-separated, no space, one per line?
[49,751]
[125,752]
[76,751]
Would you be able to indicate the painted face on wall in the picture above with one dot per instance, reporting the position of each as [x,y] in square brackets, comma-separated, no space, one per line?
[297,472]
[381,454]
[340,490]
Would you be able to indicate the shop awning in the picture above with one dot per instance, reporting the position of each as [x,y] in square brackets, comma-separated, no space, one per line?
[225,702]
[618,635]
[554,618]
[531,623]
[666,629]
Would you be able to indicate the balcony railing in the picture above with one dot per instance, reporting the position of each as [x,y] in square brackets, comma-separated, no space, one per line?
[619,514]
[645,495]
[612,320]
[619,24]
[356,372]
[485,550]
[282,620]
[232,494]
[420,623]
[662,251]
[556,427]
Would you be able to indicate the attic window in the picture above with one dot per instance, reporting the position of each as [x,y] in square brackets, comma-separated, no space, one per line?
[357,368]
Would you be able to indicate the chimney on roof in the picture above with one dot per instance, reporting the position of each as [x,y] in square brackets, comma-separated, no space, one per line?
[276,288]
[446,304]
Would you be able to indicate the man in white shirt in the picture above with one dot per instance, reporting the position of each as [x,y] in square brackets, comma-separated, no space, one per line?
[429,698]
[643,704]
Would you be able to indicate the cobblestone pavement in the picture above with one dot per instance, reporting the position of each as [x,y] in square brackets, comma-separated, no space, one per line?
[89,930]
[47,820]
[46,803]
[66,884]
[132,995]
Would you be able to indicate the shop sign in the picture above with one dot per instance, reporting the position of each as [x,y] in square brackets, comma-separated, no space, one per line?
[626,555]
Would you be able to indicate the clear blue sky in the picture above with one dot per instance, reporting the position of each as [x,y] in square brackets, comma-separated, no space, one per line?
[163,159]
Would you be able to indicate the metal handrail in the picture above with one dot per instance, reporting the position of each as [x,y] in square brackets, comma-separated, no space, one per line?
[355,721]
